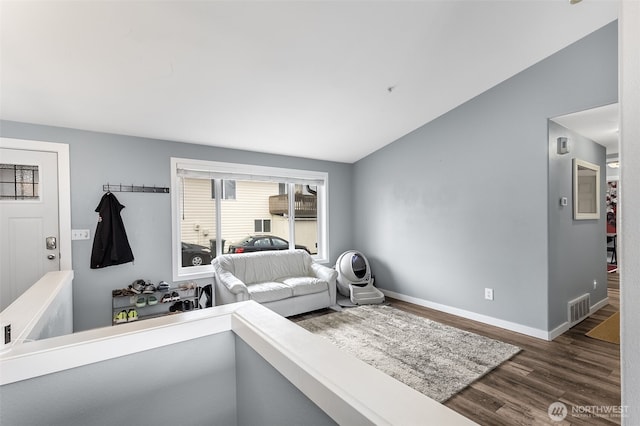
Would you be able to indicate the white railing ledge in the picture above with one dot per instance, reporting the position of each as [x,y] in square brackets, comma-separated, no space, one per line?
[347,389]
[28,313]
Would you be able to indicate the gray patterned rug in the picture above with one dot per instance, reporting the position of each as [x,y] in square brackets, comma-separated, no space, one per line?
[430,357]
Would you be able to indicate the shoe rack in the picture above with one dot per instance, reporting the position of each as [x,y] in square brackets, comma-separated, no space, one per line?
[128,306]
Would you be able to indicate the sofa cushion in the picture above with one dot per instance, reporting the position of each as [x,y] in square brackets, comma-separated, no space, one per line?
[269,291]
[252,268]
[305,285]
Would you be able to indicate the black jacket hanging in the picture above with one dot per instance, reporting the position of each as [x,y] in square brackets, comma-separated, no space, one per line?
[110,243]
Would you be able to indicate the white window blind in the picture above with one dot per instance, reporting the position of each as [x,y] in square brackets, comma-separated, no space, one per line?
[187,171]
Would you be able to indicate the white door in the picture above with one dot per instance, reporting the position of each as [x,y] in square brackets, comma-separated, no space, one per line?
[29,227]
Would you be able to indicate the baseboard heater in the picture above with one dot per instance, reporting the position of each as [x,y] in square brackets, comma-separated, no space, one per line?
[579,309]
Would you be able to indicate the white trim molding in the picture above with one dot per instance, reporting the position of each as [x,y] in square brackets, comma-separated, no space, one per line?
[205,169]
[564,327]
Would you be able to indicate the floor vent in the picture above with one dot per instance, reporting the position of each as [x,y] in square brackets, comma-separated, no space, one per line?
[579,309]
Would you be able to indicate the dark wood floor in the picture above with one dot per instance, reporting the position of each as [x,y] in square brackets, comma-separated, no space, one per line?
[574,369]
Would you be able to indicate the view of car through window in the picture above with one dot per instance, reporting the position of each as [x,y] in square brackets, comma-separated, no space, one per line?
[262,243]
[254,206]
[195,255]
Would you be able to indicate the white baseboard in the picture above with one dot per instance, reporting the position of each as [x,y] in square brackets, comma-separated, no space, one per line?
[601,304]
[566,325]
[485,319]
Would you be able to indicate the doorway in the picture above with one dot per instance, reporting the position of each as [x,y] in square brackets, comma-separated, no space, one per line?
[36,214]
[601,125]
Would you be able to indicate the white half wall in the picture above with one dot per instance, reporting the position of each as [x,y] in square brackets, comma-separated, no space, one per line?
[348,390]
[45,310]
[629,251]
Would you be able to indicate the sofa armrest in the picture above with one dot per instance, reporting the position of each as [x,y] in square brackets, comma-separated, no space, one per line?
[329,275]
[228,287]
[231,282]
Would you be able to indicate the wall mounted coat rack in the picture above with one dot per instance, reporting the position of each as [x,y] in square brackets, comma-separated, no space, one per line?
[134,188]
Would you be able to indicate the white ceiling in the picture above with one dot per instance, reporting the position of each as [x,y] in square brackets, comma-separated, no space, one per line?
[331,80]
[598,124]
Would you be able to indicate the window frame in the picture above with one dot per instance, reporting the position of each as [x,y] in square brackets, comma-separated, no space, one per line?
[237,171]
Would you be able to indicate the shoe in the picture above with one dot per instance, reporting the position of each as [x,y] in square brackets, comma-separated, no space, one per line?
[152,300]
[137,286]
[127,292]
[140,302]
[166,298]
[163,286]
[175,296]
[188,286]
[177,307]
[149,289]
[120,317]
[122,292]
[132,315]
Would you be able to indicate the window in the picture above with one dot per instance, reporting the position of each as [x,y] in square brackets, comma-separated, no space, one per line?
[262,242]
[19,182]
[262,225]
[280,243]
[228,190]
[289,205]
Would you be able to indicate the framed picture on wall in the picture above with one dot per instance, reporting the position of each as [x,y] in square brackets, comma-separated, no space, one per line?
[586,190]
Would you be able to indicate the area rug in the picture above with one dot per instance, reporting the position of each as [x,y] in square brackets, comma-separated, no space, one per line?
[430,357]
[608,330]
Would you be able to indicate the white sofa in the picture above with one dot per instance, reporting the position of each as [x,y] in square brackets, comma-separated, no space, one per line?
[288,282]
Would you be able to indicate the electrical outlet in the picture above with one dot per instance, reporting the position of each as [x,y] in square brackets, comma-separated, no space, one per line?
[80,234]
[488,293]
[7,334]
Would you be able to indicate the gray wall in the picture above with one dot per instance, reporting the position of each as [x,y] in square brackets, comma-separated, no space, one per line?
[267,398]
[213,380]
[191,383]
[461,204]
[100,158]
[577,249]
[456,206]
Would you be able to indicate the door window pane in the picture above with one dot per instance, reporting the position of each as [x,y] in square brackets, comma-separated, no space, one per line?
[19,182]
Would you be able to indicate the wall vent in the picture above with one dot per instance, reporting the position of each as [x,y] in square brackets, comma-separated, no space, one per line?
[579,309]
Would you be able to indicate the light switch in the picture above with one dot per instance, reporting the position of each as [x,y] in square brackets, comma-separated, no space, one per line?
[564,201]
[80,234]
